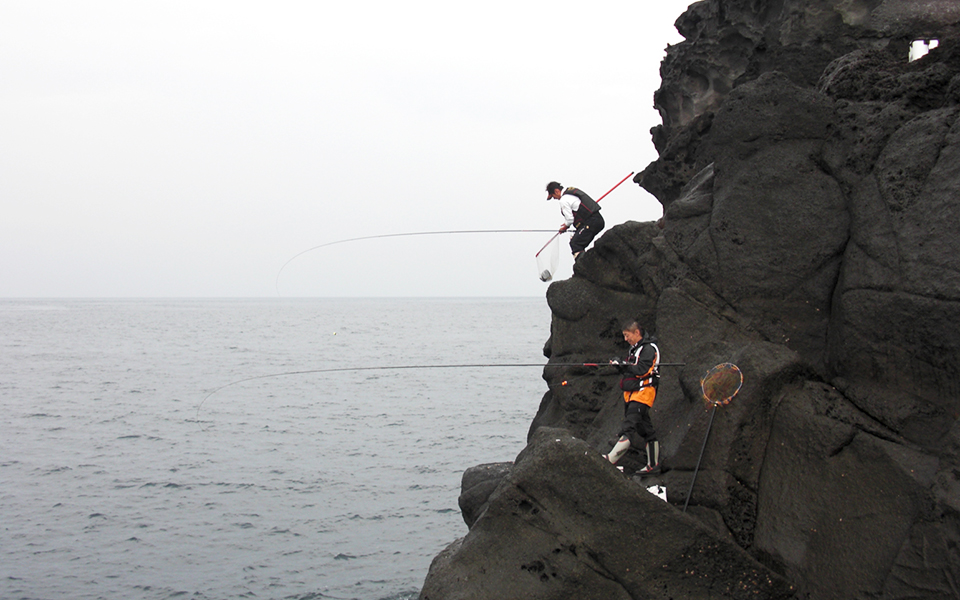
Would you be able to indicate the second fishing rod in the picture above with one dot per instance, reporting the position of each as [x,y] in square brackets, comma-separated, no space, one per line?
[406,367]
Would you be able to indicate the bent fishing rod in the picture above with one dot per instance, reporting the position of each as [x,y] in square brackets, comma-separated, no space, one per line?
[276,282]
[399,367]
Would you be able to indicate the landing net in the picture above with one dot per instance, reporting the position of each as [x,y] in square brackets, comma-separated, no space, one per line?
[548,259]
[721,383]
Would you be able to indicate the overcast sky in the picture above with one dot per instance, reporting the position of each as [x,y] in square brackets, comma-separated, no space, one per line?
[190,149]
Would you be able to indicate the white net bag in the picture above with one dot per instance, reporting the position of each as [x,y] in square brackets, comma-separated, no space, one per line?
[548,259]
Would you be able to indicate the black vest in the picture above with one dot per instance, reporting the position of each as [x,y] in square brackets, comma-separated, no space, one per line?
[588,205]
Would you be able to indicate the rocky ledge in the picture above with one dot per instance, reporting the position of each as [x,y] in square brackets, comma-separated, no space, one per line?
[810,178]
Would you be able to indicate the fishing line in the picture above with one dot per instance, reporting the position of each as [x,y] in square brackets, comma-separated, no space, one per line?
[398,367]
[345,369]
[390,235]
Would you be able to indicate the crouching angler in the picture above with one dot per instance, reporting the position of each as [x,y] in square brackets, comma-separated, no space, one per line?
[579,210]
[640,379]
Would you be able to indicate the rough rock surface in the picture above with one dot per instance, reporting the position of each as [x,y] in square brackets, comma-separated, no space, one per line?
[810,178]
[730,42]
[476,486]
[541,537]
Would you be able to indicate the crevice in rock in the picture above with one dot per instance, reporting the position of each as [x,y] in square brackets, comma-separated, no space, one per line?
[844,444]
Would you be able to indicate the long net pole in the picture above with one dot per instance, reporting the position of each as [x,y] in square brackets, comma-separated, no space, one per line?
[719,385]
[706,436]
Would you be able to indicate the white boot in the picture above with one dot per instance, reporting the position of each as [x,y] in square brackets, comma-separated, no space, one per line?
[653,459]
[619,449]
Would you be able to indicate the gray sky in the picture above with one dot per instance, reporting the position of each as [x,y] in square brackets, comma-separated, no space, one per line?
[189,149]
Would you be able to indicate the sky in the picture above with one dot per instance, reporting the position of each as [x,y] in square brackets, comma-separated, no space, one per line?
[191,149]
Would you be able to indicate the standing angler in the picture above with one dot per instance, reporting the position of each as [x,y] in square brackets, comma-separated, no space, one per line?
[581,211]
[641,376]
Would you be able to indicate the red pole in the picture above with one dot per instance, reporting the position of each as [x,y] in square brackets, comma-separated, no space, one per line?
[615,187]
[598,201]
[547,244]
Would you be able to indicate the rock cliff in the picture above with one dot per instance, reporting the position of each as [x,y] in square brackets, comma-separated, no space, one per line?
[810,178]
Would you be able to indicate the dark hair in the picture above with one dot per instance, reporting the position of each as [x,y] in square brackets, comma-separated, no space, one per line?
[634,324]
[553,185]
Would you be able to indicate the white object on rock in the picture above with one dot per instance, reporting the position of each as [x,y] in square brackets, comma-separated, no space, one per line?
[659,491]
[920,48]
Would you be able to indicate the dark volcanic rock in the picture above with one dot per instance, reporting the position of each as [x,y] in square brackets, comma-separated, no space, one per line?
[775,226]
[542,537]
[810,178]
[476,486]
[837,505]
[730,42]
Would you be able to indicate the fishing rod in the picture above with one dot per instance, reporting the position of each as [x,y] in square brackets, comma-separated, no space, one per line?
[598,202]
[565,382]
[606,364]
[399,367]
[406,234]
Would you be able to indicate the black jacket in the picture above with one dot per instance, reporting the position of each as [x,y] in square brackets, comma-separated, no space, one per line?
[642,367]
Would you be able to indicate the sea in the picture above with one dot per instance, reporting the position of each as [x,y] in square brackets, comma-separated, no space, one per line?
[250,448]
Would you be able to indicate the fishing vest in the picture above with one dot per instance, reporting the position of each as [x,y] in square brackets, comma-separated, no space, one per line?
[588,205]
[651,378]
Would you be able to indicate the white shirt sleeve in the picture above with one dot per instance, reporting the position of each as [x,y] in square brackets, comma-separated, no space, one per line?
[568,204]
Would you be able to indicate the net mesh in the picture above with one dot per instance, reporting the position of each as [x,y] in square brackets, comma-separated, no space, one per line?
[548,259]
[721,383]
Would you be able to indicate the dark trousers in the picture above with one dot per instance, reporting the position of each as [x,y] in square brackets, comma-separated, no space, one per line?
[588,229]
[637,425]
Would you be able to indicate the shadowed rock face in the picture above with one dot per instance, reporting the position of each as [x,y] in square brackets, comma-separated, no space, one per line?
[735,41]
[811,235]
[542,537]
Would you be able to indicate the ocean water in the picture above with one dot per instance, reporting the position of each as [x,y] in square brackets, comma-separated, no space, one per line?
[121,478]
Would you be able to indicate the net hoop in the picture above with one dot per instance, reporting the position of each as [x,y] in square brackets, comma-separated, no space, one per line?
[721,383]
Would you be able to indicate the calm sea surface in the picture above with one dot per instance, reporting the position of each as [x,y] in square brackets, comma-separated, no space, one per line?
[120,478]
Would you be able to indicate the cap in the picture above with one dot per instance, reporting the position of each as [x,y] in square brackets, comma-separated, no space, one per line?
[553,185]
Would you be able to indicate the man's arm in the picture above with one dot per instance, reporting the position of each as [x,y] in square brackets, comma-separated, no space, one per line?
[566,209]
